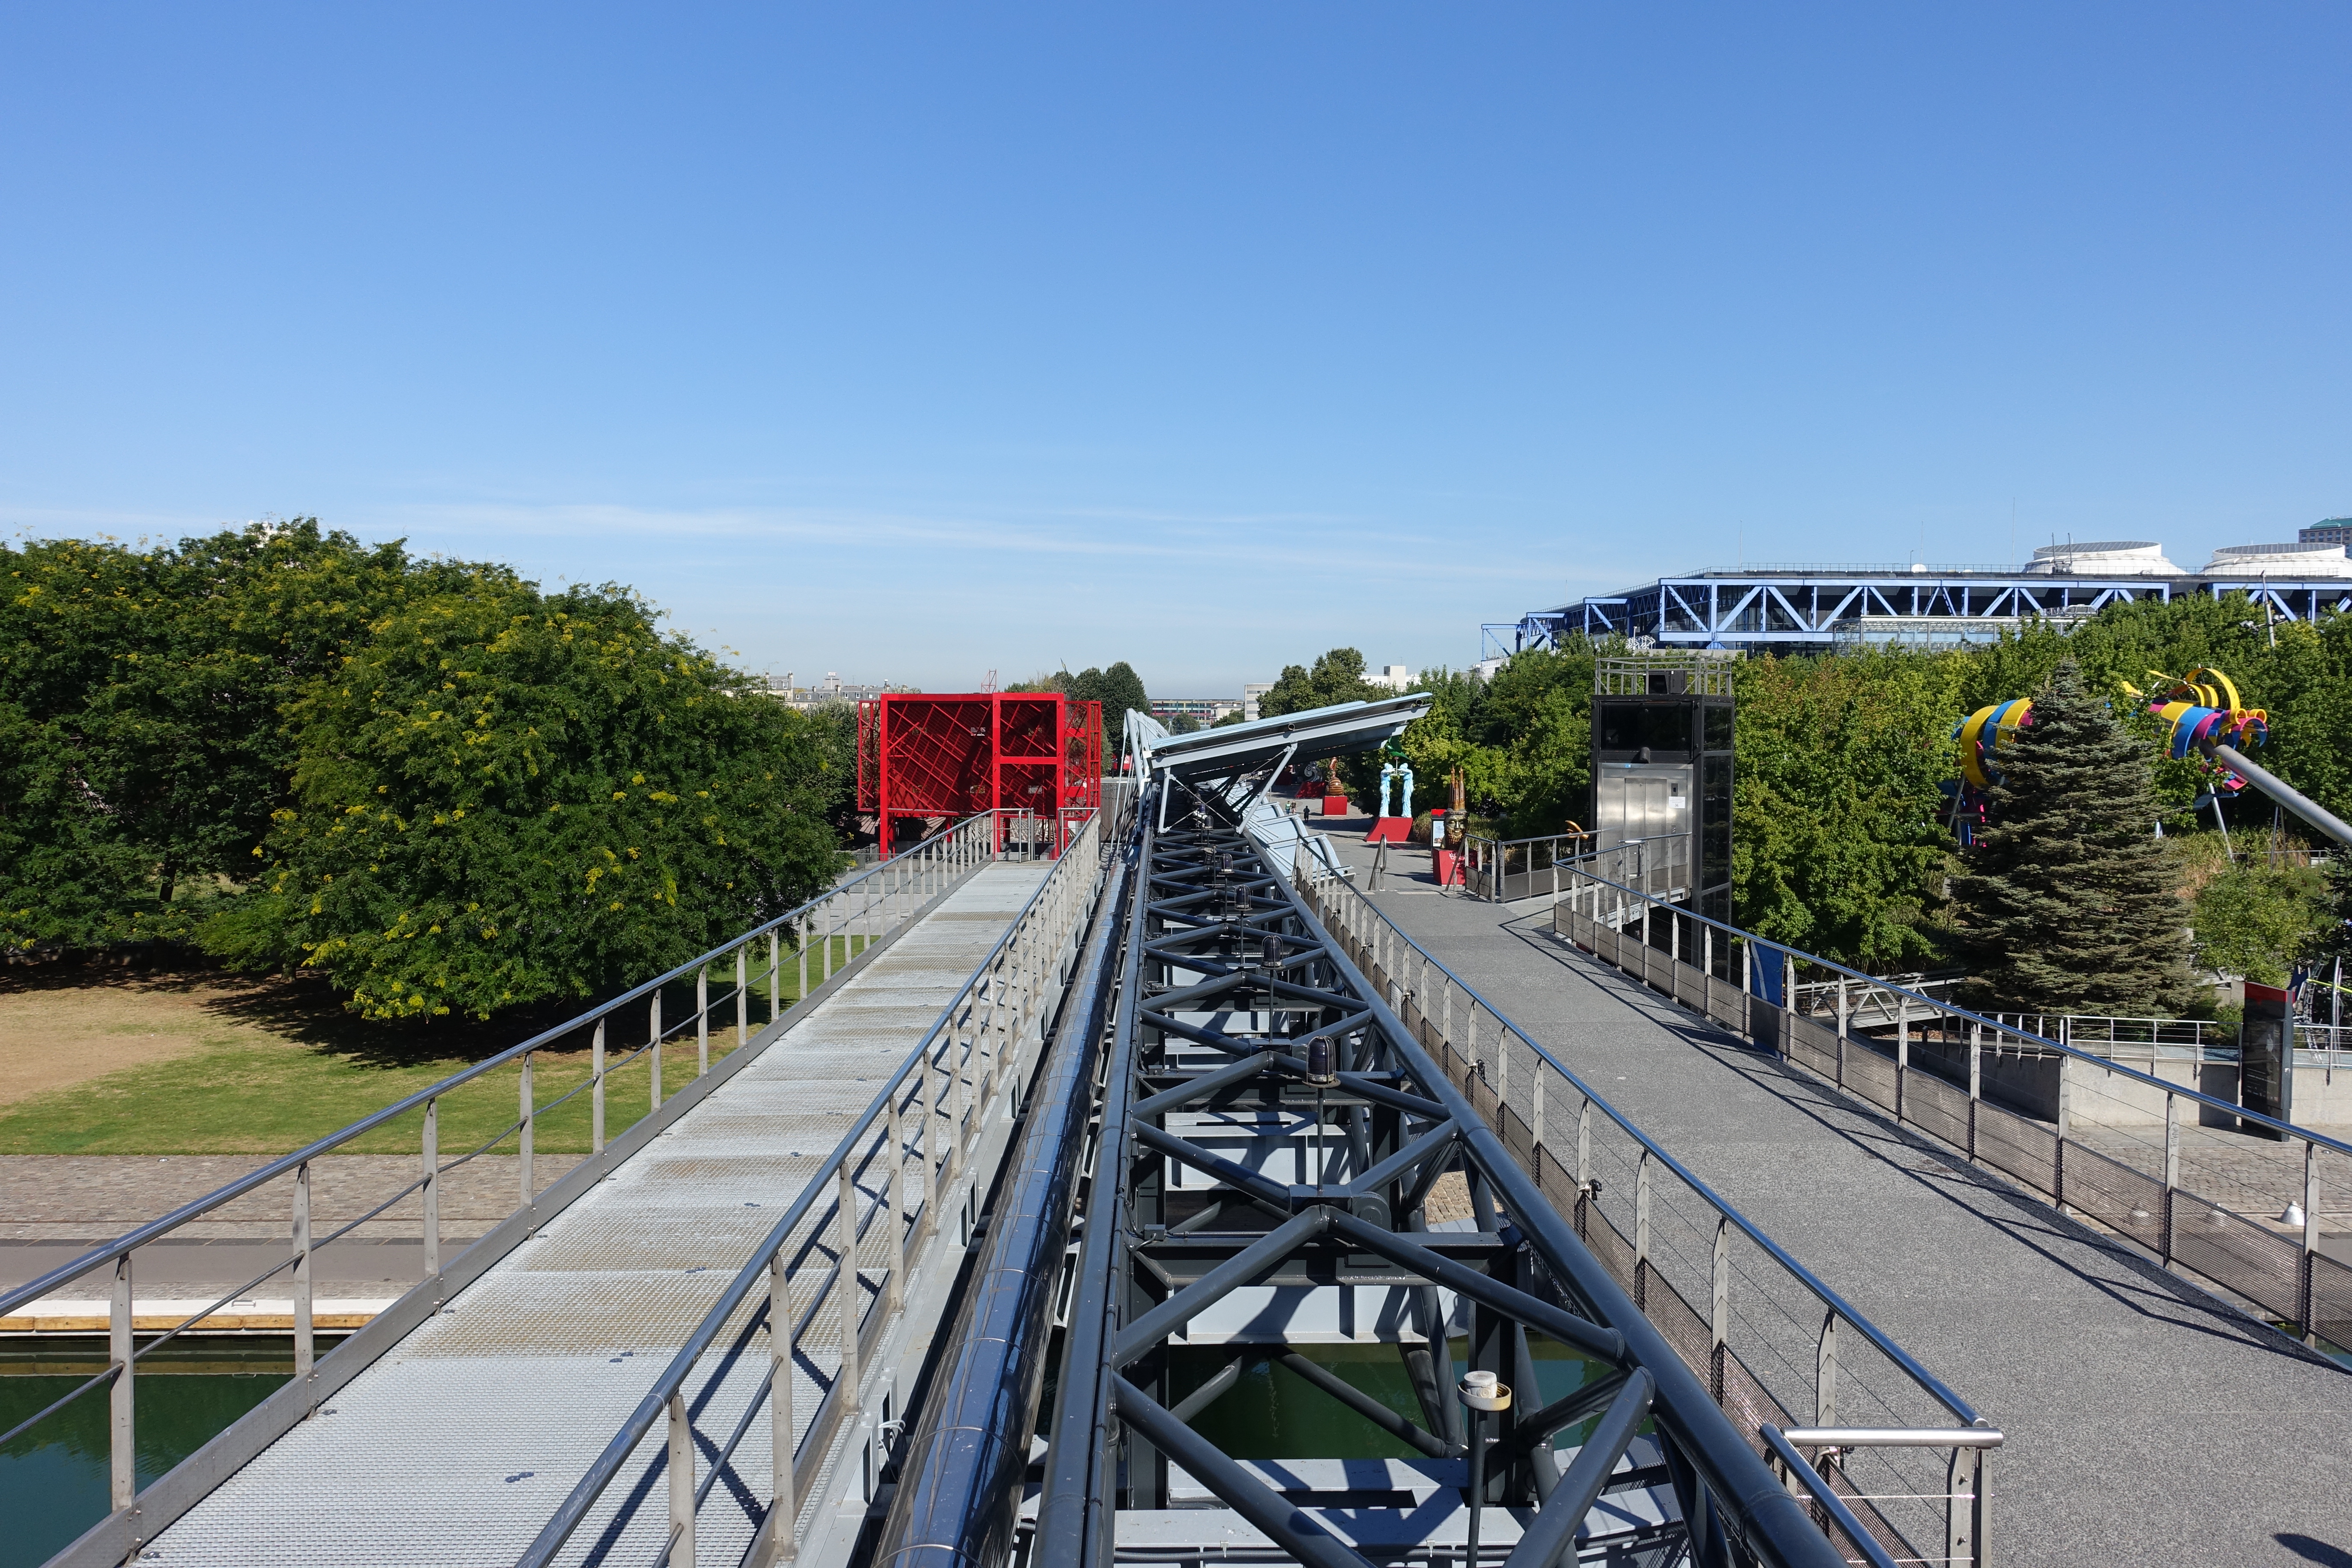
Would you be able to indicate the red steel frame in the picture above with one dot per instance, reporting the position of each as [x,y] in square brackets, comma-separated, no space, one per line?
[921,758]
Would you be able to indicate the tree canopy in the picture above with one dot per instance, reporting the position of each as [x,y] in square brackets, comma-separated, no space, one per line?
[428,782]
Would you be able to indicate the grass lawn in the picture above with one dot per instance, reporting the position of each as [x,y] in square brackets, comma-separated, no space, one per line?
[265,1068]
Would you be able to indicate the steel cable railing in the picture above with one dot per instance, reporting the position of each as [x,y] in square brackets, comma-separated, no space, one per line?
[849,920]
[2211,1187]
[1677,1247]
[933,1111]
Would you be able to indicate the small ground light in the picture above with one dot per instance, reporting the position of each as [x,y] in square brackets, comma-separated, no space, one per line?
[1484,1393]
[1322,1073]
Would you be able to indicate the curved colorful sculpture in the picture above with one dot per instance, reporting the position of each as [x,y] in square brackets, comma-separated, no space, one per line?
[2202,707]
[1982,734]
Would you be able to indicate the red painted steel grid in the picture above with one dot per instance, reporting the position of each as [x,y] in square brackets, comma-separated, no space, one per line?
[923,757]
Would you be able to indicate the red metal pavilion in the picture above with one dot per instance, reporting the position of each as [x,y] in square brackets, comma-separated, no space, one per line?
[1035,757]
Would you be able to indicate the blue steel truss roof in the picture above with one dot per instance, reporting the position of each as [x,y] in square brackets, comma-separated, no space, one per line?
[1787,610]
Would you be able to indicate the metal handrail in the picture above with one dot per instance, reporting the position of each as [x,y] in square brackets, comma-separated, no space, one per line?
[1825,1497]
[1829,1298]
[820,1187]
[2103,1064]
[286,1164]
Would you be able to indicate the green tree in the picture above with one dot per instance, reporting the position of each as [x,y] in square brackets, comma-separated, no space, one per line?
[505,796]
[1837,848]
[2259,920]
[2069,905]
[147,689]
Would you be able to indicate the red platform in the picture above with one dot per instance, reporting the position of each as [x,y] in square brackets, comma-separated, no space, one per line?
[923,761]
[1390,830]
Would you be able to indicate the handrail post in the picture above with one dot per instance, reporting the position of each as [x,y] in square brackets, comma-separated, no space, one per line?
[304,1345]
[120,1346]
[1964,1509]
[1826,1372]
[2066,1127]
[1642,1231]
[681,1483]
[2171,1170]
[1720,1316]
[803,994]
[846,1281]
[702,1020]
[2310,1233]
[596,1091]
[1902,1049]
[895,1178]
[432,1188]
[742,996]
[1976,1083]
[784,1513]
[530,1188]
[776,988]
[655,1028]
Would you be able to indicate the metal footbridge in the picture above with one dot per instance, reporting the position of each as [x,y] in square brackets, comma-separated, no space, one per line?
[1114,1194]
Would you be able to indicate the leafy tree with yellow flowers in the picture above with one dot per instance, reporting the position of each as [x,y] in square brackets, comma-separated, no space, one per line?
[507,796]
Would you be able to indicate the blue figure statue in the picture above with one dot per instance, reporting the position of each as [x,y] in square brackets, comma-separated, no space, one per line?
[1404,776]
[1388,779]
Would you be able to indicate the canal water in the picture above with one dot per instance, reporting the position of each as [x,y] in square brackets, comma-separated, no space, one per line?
[53,1478]
[1273,1413]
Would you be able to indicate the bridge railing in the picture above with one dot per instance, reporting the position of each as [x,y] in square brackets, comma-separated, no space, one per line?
[1778,1346]
[794,1334]
[2210,1188]
[807,947]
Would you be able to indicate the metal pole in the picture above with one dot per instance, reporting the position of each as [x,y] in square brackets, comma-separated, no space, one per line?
[702,1020]
[896,1178]
[775,987]
[431,1190]
[681,1483]
[305,1346]
[742,998]
[2171,1169]
[120,1348]
[846,1281]
[782,1436]
[530,1188]
[655,1053]
[596,1090]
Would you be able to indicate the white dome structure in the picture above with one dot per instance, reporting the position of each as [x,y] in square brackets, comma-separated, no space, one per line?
[2295,561]
[2111,558]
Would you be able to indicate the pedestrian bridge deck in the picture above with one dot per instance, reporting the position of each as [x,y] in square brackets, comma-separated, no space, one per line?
[2146,1421]
[456,1446]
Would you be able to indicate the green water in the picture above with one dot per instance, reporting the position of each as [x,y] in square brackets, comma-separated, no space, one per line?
[1273,1413]
[53,1478]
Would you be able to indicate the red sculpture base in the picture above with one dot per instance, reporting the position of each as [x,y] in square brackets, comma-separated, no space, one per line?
[1390,830]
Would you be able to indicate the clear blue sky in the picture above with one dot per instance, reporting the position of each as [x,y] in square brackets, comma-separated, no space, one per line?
[912,341]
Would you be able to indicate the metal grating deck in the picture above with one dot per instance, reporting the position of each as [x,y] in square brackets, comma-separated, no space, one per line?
[456,1446]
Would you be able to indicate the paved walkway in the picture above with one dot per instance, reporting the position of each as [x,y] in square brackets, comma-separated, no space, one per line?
[2146,1423]
[457,1445]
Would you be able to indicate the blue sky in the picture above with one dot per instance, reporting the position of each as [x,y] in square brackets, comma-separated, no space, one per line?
[912,341]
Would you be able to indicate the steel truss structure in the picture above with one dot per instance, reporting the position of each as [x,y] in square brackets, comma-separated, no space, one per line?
[1790,610]
[1267,1136]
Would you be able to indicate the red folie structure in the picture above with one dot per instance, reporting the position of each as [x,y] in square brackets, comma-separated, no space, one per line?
[924,761]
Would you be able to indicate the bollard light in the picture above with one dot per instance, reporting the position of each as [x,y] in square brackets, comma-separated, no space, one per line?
[1322,1062]
[1486,1395]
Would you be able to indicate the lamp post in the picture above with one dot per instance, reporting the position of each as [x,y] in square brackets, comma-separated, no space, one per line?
[1482,1393]
[1322,1073]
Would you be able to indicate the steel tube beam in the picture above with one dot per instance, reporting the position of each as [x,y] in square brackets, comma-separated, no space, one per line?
[1685,1409]
[2286,795]
[1556,1523]
[960,1470]
[1289,1527]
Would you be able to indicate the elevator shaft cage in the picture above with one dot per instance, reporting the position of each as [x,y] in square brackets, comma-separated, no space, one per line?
[1662,767]
[924,759]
